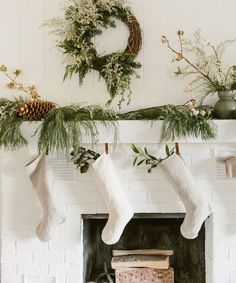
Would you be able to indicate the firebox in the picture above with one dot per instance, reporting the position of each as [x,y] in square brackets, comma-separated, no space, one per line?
[144,231]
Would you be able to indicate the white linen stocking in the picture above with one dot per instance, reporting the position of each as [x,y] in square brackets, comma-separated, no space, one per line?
[41,176]
[119,208]
[197,207]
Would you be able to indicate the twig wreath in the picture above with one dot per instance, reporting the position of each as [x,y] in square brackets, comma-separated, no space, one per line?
[84,19]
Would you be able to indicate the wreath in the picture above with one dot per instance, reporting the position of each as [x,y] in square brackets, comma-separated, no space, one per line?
[84,19]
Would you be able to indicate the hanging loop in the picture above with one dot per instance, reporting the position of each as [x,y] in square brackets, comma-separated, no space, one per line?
[177,148]
[106,148]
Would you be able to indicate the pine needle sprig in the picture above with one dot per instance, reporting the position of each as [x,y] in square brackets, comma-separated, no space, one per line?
[10,124]
[63,128]
[180,123]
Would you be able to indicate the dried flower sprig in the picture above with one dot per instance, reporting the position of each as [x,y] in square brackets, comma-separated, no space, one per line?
[14,84]
[204,60]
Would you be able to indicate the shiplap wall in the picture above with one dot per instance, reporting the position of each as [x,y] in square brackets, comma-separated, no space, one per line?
[24,44]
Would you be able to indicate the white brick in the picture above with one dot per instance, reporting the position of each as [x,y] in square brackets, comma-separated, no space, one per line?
[172,207]
[204,172]
[80,197]
[221,277]
[65,269]
[64,245]
[144,185]
[18,216]
[155,174]
[31,245]
[137,196]
[232,277]
[32,269]
[75,210]
[8,269]
[232,253]
[48,257]
[221,253]
[18,257]
[80,186]
[8,245]
[11,279]
[225,195]
[202,160]
[74,257]
[101,208]
[162,196]
[146,207]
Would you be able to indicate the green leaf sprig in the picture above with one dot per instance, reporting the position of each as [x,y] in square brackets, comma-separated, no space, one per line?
[83,158]
[144,157]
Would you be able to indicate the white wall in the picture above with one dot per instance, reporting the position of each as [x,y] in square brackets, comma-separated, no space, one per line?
[24,44]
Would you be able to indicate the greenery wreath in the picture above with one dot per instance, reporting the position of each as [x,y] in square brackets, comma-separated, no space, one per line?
[84,19]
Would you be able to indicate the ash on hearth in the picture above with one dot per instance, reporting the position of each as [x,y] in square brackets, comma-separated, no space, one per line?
[142,266]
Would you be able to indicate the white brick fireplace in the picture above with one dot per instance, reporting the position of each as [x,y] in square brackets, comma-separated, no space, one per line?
[23,257]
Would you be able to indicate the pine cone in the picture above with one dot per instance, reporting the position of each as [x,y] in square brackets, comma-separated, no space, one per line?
[35,109]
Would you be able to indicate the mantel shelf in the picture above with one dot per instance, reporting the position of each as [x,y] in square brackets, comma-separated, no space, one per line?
[144,132]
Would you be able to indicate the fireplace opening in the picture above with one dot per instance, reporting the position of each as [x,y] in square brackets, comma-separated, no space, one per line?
[145,231]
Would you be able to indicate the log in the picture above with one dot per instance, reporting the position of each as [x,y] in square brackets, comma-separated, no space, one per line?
[128,261]
[142,252]
[144,275]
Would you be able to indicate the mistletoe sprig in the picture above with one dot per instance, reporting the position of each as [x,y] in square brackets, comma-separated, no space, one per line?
[83,158]
[144,157]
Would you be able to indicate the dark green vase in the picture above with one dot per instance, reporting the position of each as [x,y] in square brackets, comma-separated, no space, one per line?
[226,105]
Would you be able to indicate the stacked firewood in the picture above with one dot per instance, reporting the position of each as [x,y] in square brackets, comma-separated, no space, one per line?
[142,266]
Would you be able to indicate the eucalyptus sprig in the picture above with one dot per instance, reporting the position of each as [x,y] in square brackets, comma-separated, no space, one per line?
[144,157]
[83,158]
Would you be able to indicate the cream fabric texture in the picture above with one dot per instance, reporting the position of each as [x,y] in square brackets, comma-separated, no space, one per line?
[197,207]
[119,208]
[41,175]
[230,165]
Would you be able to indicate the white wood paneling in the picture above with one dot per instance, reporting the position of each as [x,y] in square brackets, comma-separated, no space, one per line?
[24,44]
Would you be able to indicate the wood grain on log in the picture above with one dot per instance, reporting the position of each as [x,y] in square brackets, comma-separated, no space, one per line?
[158,262]
[142,252]
[144,275]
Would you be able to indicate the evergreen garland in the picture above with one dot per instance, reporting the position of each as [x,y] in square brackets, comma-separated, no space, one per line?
[63,128]
[182,121]
[10,123]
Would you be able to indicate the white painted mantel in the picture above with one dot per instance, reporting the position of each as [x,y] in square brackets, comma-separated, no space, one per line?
[144,131]
[149,132]
[23,255]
